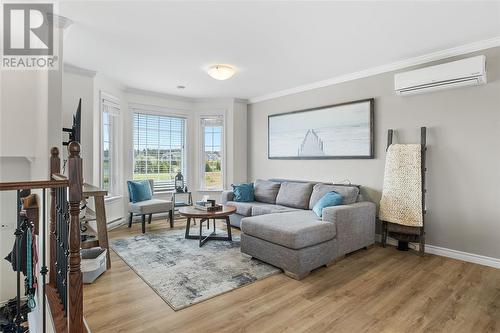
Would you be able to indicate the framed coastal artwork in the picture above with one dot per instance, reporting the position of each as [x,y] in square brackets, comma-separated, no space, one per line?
[341,131]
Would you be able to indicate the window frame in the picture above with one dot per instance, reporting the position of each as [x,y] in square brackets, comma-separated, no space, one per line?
[154,113]
[201,166]
[113,119]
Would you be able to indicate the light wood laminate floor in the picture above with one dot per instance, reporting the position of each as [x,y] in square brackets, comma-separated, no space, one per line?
[375,290]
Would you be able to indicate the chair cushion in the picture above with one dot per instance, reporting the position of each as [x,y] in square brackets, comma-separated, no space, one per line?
[329,200]
[243,192]
[295,230]
[150,206]
[294,195]
[139,190]
[348,193]
[266,191]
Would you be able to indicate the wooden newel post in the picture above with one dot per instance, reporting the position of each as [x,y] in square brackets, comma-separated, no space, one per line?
[55,167]
[75,288]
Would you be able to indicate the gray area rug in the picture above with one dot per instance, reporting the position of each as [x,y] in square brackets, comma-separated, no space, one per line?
[184,274]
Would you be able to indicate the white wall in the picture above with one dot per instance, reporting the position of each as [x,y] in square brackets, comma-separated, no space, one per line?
[23,107]
[239,143]
[30,123]
[76,86]
[23,151]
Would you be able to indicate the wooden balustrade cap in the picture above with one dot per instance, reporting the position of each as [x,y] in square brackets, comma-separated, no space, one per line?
[74,149]
[54,151]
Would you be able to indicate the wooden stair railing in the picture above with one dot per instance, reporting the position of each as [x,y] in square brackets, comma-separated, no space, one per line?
[66,286]
[75,284]
[64,292]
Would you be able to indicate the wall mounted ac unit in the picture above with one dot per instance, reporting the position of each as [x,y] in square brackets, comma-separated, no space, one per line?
[460,73]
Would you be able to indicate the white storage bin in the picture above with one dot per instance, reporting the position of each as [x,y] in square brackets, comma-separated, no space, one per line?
[93,263]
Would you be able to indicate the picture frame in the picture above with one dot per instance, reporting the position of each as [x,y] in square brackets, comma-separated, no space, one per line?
[338,131]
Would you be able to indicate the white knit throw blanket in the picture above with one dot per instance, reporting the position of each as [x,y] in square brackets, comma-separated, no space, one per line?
[401,201]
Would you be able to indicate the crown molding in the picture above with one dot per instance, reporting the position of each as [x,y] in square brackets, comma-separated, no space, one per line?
[213,100]
[137,91]
[241,100]
[143,92]
[69,68]
[415,61]
[62,22]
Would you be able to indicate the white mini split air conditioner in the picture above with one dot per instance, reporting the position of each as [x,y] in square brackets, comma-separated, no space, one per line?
[460,73]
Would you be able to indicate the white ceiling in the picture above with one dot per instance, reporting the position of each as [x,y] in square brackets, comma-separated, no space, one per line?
[157,46]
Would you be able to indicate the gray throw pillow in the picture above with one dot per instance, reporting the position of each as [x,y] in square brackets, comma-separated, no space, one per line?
[266,191]
[349,193]
[294,195]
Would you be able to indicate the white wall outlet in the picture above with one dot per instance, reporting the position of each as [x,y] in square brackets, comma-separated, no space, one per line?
[6,226]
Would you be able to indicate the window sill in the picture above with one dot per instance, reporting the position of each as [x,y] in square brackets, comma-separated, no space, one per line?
[112,198]
[163,193]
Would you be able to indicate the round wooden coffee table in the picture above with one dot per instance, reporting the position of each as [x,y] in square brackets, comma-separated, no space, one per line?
[194,213]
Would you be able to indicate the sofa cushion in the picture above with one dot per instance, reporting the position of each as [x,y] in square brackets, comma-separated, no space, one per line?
[295,230]
[242,208]
[348,193]
[328,200]
[243,192]
[255,208]
[294,195]
[150,206]
[266,191]
[270,209]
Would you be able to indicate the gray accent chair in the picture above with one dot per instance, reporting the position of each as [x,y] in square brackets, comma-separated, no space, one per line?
[149,207]
[281,229]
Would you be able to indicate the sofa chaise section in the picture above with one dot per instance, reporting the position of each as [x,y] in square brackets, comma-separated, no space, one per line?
[297,242]
[282,229]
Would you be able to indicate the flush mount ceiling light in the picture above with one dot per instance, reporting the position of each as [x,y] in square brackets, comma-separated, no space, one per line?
[221,72]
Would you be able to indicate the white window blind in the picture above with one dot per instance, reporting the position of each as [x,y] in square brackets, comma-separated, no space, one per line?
[159,149]
[212,153]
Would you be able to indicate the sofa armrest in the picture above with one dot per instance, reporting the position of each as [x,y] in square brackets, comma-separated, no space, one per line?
[227,195]
[355,225]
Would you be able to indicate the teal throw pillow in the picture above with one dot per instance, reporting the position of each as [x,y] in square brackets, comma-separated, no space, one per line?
[328,200]
[139,190]
[243,192]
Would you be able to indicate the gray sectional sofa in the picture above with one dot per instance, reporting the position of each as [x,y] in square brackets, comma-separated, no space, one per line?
[280,228]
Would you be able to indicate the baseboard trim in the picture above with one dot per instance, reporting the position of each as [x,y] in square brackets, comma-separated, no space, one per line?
[450,253]
[464,256]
